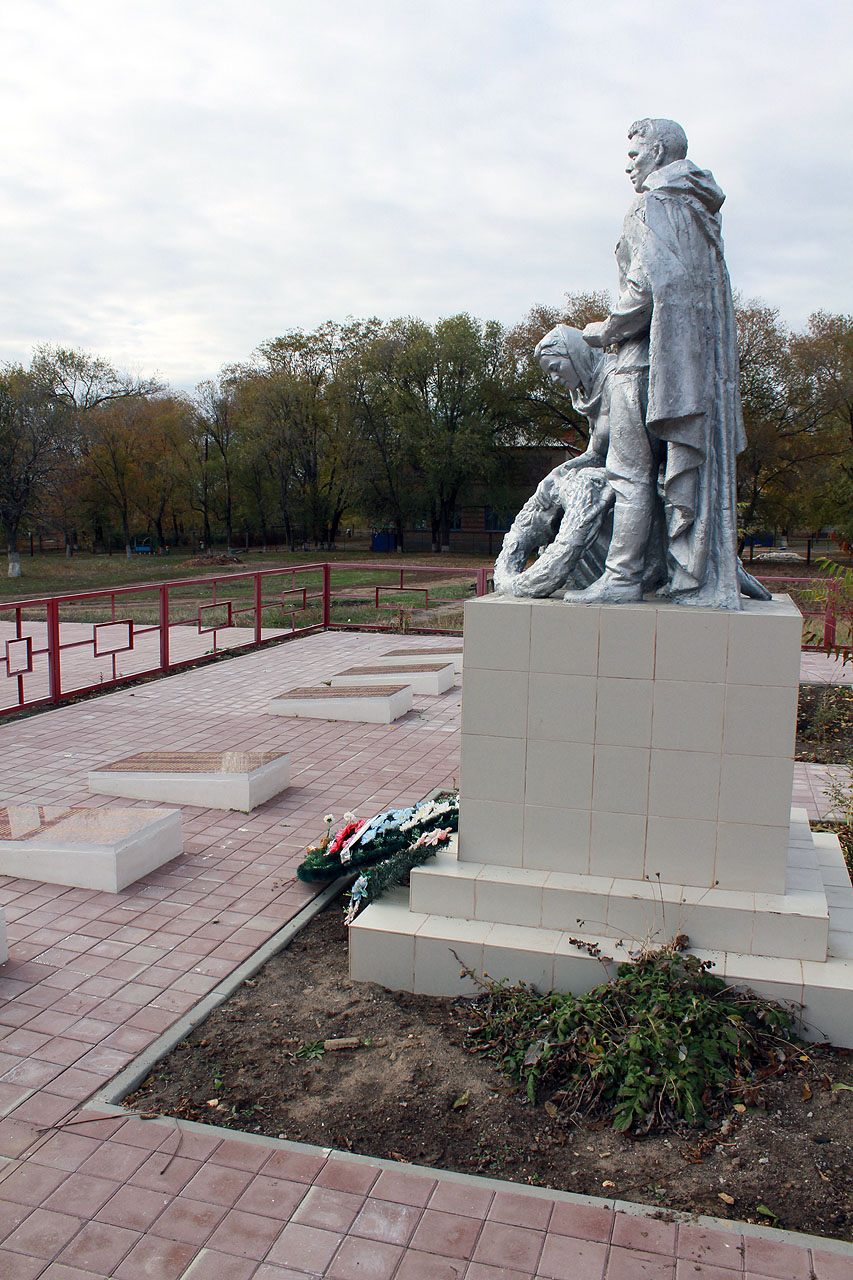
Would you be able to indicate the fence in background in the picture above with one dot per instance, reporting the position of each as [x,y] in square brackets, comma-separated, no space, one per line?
[59,647]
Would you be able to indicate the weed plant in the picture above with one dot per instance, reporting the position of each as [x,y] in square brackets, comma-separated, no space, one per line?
[663,1044]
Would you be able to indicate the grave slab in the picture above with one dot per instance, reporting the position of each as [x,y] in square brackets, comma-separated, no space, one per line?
[424,677]
[394,656]
[368,704]
[208,779]
[88,848]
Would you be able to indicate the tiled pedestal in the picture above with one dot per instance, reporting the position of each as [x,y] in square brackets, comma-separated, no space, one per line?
[368,704]
[626,775]
[424,677]
[238,780]
[87,848]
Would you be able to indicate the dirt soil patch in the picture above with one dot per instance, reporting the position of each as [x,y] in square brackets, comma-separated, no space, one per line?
[300,1052]
[825,724]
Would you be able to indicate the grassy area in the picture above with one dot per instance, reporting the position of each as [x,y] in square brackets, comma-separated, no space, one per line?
[52,574]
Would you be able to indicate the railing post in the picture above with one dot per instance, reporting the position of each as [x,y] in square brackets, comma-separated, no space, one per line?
[164,628]
[257,607]
[482,581]
[829,617]
[53,671]
[327,594]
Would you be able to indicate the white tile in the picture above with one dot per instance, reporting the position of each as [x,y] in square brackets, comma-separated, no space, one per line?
[559,774]
[692,645]
[521,955]
[563,640]
[382,956]
[764,646]
[576,971]
[506,903]
[556,839]
[756,789]
[617,845]
[721,927]
[492,768]
[495,703]
[623,712]
[561,708]
[490,831]
[684,784]
[497,633]
[681,850]
[760,720]
[436,892]
[443,949]
[786,934]
[620,779]
[627,643]
[688,715]
[570,910]
[751,857]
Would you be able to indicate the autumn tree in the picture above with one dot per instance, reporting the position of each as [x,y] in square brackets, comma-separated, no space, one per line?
[32,442]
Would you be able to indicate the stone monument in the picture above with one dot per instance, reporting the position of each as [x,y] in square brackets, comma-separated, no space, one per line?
[627,763]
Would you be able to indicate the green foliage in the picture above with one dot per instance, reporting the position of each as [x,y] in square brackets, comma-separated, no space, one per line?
[323,864]
[663,1043]
[378,879]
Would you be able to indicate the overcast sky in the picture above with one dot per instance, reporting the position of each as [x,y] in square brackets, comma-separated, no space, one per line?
[183,179]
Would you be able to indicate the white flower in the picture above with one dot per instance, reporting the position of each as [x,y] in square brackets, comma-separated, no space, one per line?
[330,817]
[349,817]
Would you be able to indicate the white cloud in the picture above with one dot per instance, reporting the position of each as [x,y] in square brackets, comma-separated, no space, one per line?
[183,181]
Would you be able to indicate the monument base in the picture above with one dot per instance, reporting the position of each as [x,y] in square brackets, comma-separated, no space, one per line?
[626,778]
[527,927]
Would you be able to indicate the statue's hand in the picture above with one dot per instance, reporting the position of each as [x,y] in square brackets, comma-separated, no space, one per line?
[593,334]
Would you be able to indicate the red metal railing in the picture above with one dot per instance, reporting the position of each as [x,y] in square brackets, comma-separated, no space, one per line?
[58,647]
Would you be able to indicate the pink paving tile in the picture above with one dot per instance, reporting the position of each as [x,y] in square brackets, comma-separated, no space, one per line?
[99,1247]
[385,1220]
[521,1210]
[332,1210]
[703,1244]
[133,1207]
[217,1184]
[630,1264]
[272,1197]
[365,1259]
[268,1272]
[164,1172]
[345,1175]
[585,1221]
[16,1266]
[66,1151]
[403,1188]
[165,1259]
[300,1246]
[31,1184]
[242,1155]
[777,1258]
[246,1234]
[114,1160]
[832,1266]
[16,1136]
[192,1221]
[647,1234]
[426,1266]
[43,1233]
[81,1195]
[567,1258]
[448,1234]
[11,1216]
[295,1166]
[479,1271]
[462,1197]
[501,1245]
[686,1270]
[211,1265]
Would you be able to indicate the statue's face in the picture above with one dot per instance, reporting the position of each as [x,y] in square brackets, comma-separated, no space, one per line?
[560,369]
[645,155]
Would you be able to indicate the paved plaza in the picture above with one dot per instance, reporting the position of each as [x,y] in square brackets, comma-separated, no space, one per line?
[93,978]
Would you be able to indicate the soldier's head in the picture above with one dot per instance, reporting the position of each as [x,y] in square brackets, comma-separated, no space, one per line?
[651,145]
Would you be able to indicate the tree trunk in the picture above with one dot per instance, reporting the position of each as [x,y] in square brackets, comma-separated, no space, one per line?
[14,563]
